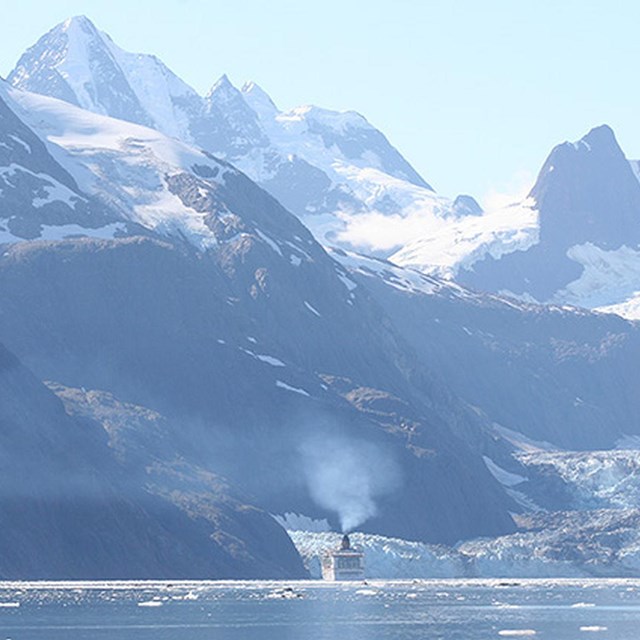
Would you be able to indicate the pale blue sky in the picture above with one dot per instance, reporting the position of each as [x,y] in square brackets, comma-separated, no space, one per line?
[473,93]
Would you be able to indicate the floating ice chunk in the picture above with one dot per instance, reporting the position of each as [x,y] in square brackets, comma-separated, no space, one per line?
[315,311]
[274,362]
[287,387]
[517,633]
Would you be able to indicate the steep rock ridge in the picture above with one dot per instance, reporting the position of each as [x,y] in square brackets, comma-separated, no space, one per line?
[246,407]
[589,201]
[70,511]
[587,192]
[238,327]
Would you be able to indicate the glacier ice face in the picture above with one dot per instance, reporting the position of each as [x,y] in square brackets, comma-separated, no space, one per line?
[603,543]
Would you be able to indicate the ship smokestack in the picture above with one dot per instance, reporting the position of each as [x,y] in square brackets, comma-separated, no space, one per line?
[346,543]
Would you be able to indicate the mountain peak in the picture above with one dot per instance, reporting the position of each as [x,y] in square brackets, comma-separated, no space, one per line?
[599,141]
[587,192]
[77,63]
[258,99]
[603,139]
[79,22]
[58,63]
[222,84]
[467,205]
[223,92]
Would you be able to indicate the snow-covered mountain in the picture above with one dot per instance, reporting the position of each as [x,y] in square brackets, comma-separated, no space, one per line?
[575,239]
[135,173]
[334,170]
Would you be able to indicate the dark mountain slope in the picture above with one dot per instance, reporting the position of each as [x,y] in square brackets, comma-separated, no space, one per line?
[552,374]
[71,511]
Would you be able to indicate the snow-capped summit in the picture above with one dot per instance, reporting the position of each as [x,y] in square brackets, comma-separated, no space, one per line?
[259,100]
[73,62]
[228,126]
[78,63]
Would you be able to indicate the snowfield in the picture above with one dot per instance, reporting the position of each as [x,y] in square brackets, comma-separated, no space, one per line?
[447,246]
[122,164]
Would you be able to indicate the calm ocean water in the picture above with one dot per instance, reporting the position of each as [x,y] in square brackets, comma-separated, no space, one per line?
[447,610]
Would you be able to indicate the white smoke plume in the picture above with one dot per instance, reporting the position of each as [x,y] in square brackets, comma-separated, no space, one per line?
[347,476]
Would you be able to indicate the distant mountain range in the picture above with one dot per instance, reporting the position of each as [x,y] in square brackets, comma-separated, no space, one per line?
[188,275]
[354,190]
